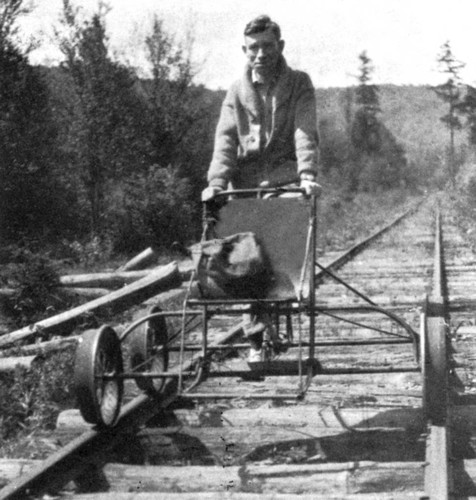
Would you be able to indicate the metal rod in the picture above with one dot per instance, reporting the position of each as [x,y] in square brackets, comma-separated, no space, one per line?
[342,282]
[204,331]
[363,325]
[144,375]
[331,343]
[238,396]
[139,322]
[312,282]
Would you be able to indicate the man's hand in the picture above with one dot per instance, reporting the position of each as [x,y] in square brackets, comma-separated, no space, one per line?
[210,192]
[310,186]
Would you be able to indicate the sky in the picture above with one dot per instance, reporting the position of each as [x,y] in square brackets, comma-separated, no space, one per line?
[323,37]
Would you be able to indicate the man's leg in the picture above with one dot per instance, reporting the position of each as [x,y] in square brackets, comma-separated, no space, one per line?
[259,327]
[254,331]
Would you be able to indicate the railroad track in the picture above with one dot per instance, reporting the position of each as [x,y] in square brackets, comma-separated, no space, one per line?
[385,416]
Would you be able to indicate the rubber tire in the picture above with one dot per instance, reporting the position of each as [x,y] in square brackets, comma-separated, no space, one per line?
[98,353]
[435,372]
[143,352]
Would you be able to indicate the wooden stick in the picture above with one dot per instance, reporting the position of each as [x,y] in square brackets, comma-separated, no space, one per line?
[162,279]
[104,280]
[88,293]
[140,261]
[10,364]
[47,347]
[116,279]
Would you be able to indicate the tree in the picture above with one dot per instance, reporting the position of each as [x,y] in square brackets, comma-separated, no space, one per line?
[179,127]
[107,131]
[367,93]
[468,107]
[166,196]
[28,135]
[378,159]
[365,127]
[450,92]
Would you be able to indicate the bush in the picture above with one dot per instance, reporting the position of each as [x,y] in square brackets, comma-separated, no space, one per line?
[158,212]
[35,282]
[31,400]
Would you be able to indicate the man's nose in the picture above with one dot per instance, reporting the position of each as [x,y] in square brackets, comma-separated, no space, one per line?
[260,53]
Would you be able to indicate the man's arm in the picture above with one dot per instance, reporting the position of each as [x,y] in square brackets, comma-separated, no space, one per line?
[306,136]
[305,128]
[226,146]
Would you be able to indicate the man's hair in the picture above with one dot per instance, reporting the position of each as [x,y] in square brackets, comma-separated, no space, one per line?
[260,24]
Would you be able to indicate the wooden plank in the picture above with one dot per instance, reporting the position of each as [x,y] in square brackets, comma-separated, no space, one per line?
[14,362]
[140,261]
[105,280]
[116,279]
[230,438]
[41,348]
[225,495]
[87,293]
[326,479]
[333,480]
[300,417]
[164,278]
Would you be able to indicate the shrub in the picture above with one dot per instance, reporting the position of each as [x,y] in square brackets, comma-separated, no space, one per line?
[31,400]
[35,282]
[159,211]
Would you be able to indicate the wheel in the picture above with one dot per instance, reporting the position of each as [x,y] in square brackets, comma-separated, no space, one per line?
[99,354]
[148,352]
[435,370]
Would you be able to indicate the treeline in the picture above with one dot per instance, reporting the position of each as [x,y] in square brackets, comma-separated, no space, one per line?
[89,148]
[91,151]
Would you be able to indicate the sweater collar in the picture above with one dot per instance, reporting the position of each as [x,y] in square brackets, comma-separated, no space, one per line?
[249,96]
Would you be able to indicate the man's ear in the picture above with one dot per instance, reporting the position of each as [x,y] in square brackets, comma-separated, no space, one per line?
[281,45]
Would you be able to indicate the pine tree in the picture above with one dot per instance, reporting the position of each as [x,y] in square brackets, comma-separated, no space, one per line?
[107,127]
[27,135]
[468,108]
[450,92]
[365,128]
[378,158]
[176,109]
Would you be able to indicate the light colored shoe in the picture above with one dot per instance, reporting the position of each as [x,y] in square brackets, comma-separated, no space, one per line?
[255,355]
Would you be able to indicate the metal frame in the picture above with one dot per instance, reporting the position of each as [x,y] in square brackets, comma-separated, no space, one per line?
[283,307]
[292,294]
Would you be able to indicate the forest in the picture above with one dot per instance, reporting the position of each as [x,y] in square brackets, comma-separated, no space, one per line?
[95,156]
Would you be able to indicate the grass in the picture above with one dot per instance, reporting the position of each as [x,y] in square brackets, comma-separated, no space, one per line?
[346,219]
[30,401]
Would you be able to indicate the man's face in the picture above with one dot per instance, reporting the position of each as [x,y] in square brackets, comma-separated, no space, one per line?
[262,51]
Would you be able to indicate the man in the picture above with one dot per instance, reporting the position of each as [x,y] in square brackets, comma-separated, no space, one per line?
[267,132]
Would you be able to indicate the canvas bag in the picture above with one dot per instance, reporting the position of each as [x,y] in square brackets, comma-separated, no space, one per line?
[232,267]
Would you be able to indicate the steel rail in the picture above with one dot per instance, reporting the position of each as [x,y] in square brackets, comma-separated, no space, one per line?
[85,454]
[438,477]
[359,246]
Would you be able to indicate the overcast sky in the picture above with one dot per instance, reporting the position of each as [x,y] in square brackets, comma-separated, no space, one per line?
[323,37]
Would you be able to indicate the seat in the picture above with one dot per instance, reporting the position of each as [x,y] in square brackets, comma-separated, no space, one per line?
[281,226]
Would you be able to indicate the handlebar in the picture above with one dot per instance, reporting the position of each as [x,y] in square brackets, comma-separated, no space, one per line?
[260,191]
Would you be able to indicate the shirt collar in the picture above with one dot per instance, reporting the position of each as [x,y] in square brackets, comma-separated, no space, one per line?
[257,79]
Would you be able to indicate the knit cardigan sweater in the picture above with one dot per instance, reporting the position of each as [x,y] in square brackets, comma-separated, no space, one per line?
[242,156]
